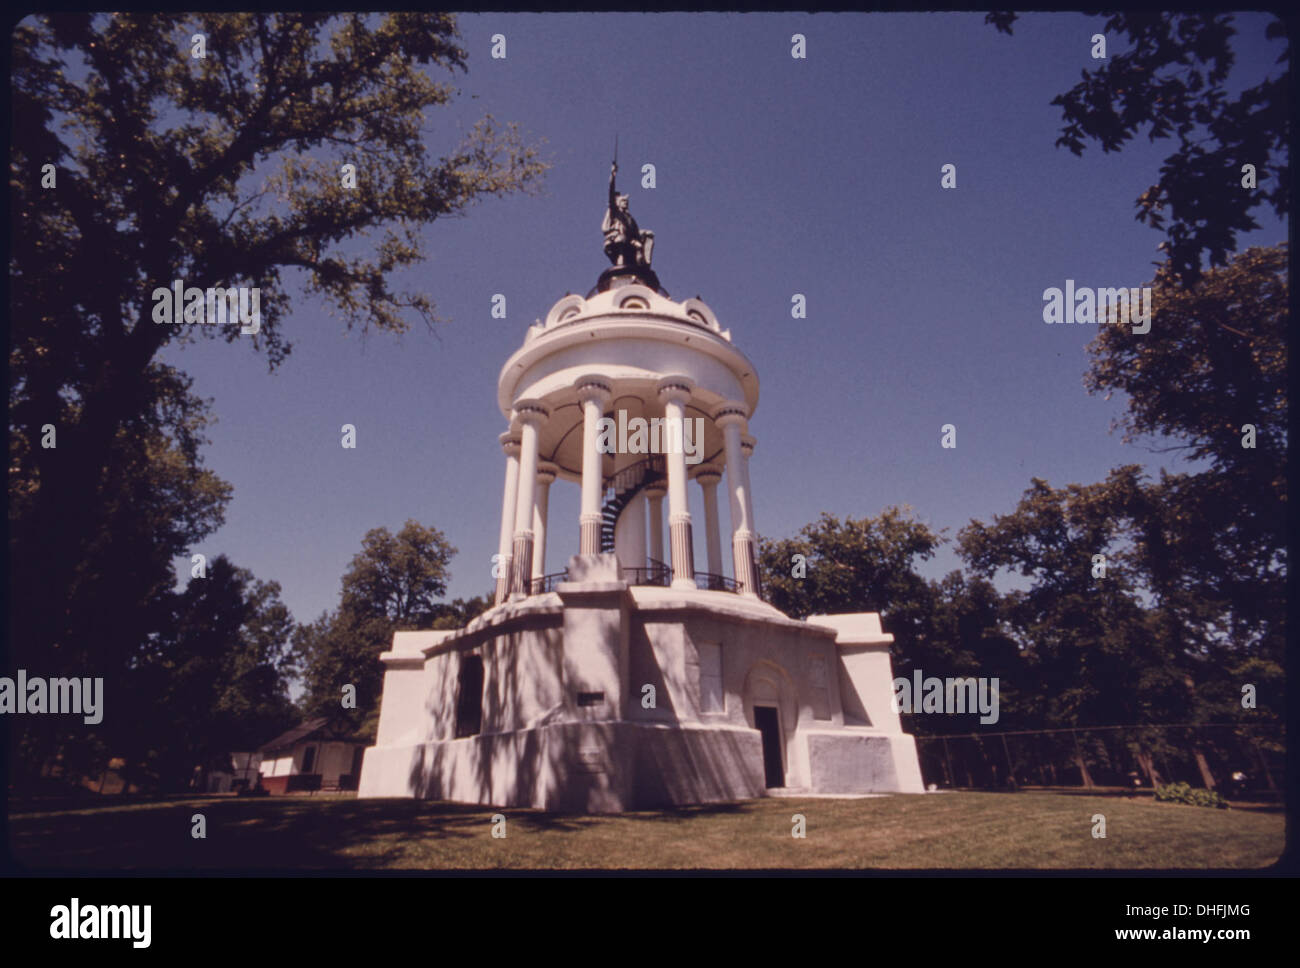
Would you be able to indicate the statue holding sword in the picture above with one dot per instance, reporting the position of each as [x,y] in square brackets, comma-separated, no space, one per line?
[626,243]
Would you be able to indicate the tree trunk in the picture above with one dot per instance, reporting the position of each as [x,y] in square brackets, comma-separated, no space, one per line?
[1148,767]
[1080,762]
[1206,776]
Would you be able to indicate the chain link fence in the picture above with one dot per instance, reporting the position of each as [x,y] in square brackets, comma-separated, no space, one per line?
[1237,760]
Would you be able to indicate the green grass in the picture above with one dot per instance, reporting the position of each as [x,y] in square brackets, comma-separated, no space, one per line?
[1028,830]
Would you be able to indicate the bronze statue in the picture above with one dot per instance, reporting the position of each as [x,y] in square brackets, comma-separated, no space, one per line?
[626,244]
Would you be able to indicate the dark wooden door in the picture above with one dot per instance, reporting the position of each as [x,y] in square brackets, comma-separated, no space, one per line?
[768,721]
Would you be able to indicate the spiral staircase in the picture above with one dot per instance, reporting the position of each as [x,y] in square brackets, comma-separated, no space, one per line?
[621,488]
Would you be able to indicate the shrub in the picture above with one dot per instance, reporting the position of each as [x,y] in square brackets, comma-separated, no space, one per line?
[1183,793]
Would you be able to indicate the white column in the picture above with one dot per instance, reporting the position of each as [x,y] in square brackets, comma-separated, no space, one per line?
[731,418]
[594,393]
[654,495]
[510,444]
[675,391]
[747,493]
[545,475]
[531,416]
[708,478]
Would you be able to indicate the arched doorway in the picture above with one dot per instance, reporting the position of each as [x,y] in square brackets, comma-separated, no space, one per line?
[770,708]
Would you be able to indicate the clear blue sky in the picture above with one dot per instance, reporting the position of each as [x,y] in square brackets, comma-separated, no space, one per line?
[775,176]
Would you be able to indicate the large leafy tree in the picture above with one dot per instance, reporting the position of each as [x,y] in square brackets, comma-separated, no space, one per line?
[399,577]
[155,500]
[1098,650]
[1170,75]
[858,564]
[1131,637]
[215,682]
[341,648]
[968,636]
[221,171]
[393,583]
[1209,382]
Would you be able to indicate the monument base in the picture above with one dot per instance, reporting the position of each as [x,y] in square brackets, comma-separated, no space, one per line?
[616,276]
[602,696]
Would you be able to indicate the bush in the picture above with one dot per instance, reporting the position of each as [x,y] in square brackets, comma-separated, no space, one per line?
[1183,793]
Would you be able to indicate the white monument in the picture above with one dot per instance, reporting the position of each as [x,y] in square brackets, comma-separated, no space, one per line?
[630,679]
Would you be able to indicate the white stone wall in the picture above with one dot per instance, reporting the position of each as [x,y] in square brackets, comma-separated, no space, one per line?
[538,747]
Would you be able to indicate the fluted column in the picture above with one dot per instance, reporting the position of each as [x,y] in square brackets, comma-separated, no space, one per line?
[747,451]
[510,444]
[594,393]
[654,496]
[731,418]
[708,478]
[531,416]
[675,391]
[545,475]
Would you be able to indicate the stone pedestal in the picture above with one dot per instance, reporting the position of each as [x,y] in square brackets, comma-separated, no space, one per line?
[565,723]
[616,276]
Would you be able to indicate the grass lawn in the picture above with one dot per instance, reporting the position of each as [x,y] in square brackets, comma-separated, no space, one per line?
[1027,830]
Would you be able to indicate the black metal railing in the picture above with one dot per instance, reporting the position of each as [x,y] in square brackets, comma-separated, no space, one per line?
[546,583]
[656,573]
[632,476]
[710,582]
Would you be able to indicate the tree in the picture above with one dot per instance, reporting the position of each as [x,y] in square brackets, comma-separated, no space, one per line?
[1103,649]
[1139,641]
[391,584]
[460,612]
[156,500]
[214,683]
[399,577]
[967,636]
[855,565]
[340,649]
[1173,81]
[221,171]
[1212,379]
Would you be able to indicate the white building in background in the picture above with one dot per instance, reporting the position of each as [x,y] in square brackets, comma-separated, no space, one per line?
[318,754]
[633,679]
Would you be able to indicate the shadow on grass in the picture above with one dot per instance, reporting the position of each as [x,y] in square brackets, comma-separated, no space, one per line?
[541,820]
[679,813]
[273,833]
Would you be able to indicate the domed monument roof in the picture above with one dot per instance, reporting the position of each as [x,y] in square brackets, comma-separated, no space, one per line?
[628,330]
